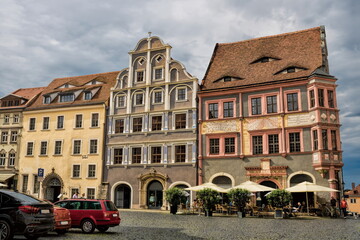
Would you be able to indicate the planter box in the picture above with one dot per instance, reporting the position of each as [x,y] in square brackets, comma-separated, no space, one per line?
[278,213]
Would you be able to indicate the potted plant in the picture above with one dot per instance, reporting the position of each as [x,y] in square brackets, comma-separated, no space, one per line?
[174,197]
[239,197]
[208,198]
[278,199]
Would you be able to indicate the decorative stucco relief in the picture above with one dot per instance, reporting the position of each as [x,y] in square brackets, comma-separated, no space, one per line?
[221,126]
[263,123]
[300,119]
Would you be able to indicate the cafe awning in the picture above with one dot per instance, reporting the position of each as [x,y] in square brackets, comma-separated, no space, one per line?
[4,177]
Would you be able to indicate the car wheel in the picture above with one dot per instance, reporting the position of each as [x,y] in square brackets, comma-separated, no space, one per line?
[61,231]
[5,230]
[87,226]
[103,228]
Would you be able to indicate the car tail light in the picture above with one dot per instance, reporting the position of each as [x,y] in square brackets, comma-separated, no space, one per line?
[29,209]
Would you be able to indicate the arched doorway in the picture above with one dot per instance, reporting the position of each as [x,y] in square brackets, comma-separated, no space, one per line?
[53,189]
[222,181]
[155,195]
[264,201]
[123,196]
[301,196]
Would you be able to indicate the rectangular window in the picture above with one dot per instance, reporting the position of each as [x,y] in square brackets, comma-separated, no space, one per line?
[257,142]
[91,170]
[180,153]
[333,140]
[330,94]
[60,122]
[77,147]
[315,139]
[90,193]
[158,97]
[76,171]
[94,120]
[158,73]
[4,137]
[2,159]
[292,102]
[47,100]
[36,184]
[118,155]
[271,102]
[228,109]
[12,157]
[69,97]
[136,155]
[137,124]
[155,154]
[93,146]
[88,96]
[229,145]
[156,123]
[273,140]
[214,146]
[255,106]
[140,76]
[78,121]
[213,110]
[294,141]
[321,97]
[32,124]
[43,148]
[139,99]
[324,139]
[121,101]
[180,121]
[46,121]
[6,118]
[119,125]
[312,98]
[16,118]
[29,148]
[25,183]
[181,94]
[58,146]
[14,136]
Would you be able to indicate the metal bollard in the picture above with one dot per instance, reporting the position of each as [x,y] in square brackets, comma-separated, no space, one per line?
[355,215]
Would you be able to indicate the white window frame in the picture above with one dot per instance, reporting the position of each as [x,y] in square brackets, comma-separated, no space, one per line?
[6,118]
[174,120]
[117,101]
[46,150]
[114,125]
[16,118]
[136,75]
[85,94]
[87,192]
[88,170]
[153,97]
[113,155]
[63,122]
[162,73]
[173,153]
[142,104]
[177,96]
[131,154]
[61,147]
[45,98]
[30,124]
[150,153]
[72,170]
[73,147]
[150,121]
[92,122]
[12,159]
[14,137]
[97,146]
[4,137]
[82,121]
[32,149]
[132,122]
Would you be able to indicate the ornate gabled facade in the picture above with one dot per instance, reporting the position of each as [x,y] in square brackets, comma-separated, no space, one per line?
[64,132]
[268,113]
[151,143]
[11,124]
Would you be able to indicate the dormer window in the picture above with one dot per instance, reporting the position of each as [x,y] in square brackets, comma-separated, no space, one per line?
[265,60]
[290,69]
[87,95]
[47,99]
[68,97]
[66,85]
[93,82]
[227,79]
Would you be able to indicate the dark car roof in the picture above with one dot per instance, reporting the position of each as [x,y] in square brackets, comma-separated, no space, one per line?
[24,198]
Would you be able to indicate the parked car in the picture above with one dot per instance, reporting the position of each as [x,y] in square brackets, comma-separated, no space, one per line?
[62,219]
[89,214]
[24,214]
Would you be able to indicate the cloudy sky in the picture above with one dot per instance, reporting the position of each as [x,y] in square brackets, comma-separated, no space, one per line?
[45,39]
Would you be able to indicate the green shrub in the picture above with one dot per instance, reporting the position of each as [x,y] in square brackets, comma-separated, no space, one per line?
[209,198]
[239,197]
[279,198]
[174,196]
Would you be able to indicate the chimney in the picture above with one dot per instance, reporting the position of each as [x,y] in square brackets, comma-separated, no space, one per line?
[353,186]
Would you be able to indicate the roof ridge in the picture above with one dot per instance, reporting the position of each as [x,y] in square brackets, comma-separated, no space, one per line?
[88,75]
[20,89]
[272,36]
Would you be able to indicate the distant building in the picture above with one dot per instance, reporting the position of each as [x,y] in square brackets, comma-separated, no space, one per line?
[64,133]
[268,113]
[353,200]
[151,142]
[11,124]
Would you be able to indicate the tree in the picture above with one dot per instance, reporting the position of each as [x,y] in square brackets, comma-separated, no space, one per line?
[174,196]
[279,198]
[239,197]
[209,198]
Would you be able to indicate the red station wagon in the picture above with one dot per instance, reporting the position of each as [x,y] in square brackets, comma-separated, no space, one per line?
[89,214]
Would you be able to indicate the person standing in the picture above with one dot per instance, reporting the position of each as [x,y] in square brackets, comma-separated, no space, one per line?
[333,207]
[76,195]
[343,206]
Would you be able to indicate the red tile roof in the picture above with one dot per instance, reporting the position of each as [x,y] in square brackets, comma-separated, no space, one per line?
[79,84]
[301,49]
[26,94]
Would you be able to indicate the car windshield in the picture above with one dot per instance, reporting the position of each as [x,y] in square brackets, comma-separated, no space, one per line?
[110,206]
[22,197]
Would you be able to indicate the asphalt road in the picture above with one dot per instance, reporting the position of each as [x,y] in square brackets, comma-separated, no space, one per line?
[162,225]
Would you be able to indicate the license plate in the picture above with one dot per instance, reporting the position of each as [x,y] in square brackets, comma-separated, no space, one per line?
[115,215]
[45,211]
[64,222]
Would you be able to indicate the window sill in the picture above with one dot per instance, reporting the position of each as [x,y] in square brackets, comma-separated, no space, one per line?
[43,155]
[185,100]
[93,154]
[139,105]
[33,130]
[76,178]
[57,155]
[59,129]
[91,178]
[159,103]
[95,127]
[78,128]
[122,107]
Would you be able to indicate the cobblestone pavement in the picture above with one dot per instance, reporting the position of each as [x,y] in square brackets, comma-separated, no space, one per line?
[162,225]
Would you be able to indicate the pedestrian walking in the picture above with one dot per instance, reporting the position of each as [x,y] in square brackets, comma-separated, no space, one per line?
[76,195]
[344,206]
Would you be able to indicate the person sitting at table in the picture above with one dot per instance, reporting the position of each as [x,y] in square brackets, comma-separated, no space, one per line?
[297,208]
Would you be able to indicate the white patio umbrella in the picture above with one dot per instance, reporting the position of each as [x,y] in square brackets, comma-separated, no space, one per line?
[252,187]
[2,185]
[206,185]
[309,187]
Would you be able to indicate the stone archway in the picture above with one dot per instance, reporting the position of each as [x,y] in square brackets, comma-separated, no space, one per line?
[52,186]
[148,178]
